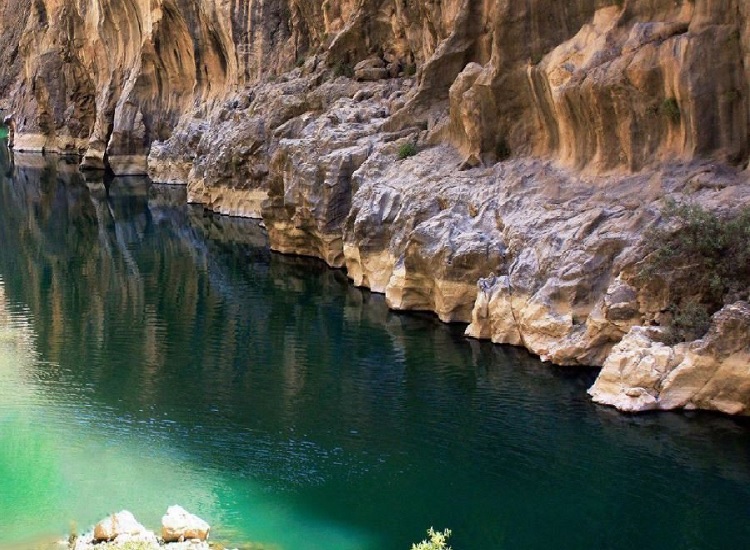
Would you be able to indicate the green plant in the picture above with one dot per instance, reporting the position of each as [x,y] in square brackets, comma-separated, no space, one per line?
[300,61]
[671,109]
[690,321]
[408,149]
[705,260]
[437,541]
[732,95]
[343,69]
[410,69]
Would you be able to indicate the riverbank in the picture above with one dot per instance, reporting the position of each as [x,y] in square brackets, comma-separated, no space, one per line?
[527,251]
[494,178]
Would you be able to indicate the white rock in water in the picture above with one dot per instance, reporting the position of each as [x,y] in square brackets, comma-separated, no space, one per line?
[122,523]
[178,525]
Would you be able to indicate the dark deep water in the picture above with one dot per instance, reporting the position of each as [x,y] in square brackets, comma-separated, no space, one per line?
[151,355]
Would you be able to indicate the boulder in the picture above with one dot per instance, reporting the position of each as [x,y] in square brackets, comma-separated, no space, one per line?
[371,70]
[116,525]
[711,373]
[179,525]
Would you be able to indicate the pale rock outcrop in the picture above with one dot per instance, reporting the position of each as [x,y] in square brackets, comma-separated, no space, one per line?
[179,525]
[420,233]
[712,373]
[311,184]
[122,524]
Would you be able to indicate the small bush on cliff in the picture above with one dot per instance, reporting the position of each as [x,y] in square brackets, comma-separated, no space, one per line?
[437,541]
[407,150]
[671,109]
[705,258]
[343,69]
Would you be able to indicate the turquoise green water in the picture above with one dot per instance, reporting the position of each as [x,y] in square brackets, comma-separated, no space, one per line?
[152,355]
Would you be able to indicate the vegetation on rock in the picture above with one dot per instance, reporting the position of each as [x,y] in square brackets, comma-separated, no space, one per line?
[437,541]
[407,150]
[671,109]
[705,258]
[343,69]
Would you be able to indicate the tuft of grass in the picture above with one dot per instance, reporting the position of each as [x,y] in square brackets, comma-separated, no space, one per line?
[671,109]
[406,150]
[704,258]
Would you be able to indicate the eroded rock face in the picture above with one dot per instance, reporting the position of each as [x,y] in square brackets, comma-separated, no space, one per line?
[642,373]
[594,83]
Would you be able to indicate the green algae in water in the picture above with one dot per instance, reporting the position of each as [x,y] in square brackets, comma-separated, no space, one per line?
[4,132]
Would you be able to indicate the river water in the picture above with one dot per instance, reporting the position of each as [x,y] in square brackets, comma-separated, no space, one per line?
[151,354]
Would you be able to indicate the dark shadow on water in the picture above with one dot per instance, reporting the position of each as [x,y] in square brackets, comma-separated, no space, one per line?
[332,403]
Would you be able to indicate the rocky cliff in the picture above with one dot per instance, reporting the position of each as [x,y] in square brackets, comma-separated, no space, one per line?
[497,163]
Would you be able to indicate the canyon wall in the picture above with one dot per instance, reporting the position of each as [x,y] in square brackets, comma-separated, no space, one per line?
[495,162]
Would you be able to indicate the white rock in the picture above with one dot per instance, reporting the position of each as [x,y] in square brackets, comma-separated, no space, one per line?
[121,523]
[179,525]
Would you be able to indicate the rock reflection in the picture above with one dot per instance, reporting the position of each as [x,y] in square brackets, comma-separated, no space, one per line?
[182,327]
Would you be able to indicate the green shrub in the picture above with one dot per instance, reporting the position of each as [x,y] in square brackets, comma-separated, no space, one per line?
[706,260]
[410,69]
[437,541]
[671,109]
[408,149]
[343,69]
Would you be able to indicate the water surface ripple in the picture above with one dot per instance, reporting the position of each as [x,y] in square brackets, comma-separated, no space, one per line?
[151,354]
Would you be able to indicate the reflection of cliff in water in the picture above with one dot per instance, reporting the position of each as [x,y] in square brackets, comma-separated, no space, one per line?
[7,161]
[152,303]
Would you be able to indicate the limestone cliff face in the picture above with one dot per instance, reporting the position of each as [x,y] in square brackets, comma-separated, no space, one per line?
[547,136]
[594,83]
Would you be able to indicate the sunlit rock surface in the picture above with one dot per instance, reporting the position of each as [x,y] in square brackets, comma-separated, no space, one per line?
[642,373]
[119,525]
[179,525]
